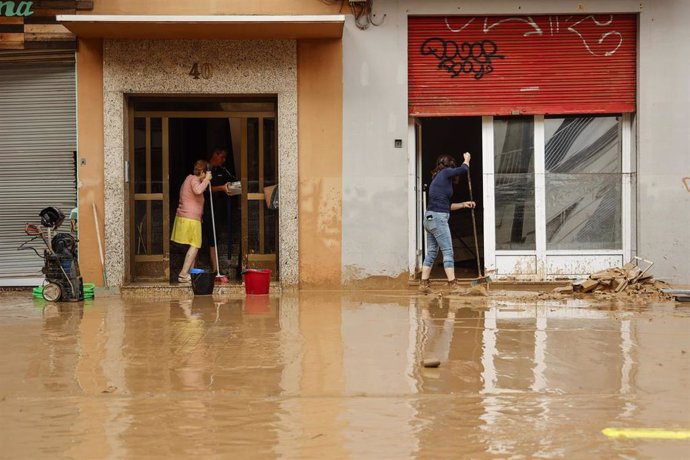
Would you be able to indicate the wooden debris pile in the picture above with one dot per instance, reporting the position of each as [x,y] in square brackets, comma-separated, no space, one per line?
[634,278]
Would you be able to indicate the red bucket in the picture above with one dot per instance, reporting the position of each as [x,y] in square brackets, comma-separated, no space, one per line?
[257,282]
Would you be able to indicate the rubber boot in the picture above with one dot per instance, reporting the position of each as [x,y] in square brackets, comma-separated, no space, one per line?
[424,287]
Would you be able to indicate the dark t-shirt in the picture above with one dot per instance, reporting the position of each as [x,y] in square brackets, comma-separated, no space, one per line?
[441,188]
[220,176]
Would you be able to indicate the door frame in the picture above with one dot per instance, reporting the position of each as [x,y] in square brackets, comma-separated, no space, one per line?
[416,234]
[417,199]
[148,197]
[165,116]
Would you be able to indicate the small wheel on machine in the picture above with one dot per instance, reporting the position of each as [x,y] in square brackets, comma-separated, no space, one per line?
[52,292]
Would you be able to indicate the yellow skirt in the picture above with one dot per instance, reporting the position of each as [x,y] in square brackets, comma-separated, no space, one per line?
[186,231]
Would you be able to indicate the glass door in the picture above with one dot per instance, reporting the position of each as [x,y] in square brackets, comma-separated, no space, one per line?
[259,175]
[162,153]
[149,221]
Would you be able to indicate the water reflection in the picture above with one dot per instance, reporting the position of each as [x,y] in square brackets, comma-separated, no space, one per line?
[317,374]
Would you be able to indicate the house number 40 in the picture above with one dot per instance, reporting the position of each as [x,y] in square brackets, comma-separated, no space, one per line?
[203,70]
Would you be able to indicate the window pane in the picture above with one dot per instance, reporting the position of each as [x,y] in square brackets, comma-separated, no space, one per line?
[156,155]
[253,155]
[253,229]
[514,177]
[270,156]
[148,216]
[142,229]
[583,183]
[140,155]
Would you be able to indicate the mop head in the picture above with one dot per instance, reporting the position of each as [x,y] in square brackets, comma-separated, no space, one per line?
[221,279]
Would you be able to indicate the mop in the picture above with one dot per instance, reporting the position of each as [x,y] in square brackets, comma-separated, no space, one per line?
[220,279]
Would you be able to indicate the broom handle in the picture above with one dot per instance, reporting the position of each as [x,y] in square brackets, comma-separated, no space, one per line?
[213,224]
[100,244]
[474,224]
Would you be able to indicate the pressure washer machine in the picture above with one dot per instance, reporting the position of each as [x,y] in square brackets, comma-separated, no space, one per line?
[61,267]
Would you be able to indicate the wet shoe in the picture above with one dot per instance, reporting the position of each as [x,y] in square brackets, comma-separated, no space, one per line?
[184,279]
[424,287]
[454,287]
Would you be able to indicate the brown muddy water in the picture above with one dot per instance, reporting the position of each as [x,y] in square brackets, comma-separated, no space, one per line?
[338,375]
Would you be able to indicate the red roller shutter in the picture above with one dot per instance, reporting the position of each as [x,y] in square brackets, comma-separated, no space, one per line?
[500,65]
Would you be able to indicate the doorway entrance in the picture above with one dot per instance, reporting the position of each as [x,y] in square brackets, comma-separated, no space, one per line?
[452,135]
[166,137]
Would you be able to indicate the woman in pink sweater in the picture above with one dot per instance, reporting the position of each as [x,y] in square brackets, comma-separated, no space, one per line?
[187,225]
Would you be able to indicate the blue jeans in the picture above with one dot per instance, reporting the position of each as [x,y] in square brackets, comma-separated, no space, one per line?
[438,236]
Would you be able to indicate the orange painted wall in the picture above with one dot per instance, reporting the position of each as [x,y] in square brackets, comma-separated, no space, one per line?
[90,145]
[320,108]
[211,7]
[320,159]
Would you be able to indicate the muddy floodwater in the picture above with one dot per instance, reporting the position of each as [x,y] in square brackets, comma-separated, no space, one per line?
[339,375]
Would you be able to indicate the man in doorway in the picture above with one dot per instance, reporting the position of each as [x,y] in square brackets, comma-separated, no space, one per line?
[221,182]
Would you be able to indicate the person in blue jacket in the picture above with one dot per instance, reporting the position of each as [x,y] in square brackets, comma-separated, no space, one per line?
[436,217]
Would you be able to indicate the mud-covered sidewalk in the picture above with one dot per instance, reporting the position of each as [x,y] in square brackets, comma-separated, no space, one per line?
[339,375]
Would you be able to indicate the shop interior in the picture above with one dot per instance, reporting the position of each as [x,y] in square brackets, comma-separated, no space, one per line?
[454,136]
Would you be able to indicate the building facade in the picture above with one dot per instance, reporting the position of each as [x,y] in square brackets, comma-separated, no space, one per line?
[579,141]
[567,239]
[38,126]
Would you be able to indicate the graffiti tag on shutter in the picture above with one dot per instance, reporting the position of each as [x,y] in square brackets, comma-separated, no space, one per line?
[596,47]
[458,58]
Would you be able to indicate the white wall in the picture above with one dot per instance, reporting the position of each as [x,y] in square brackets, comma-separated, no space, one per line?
[375,181]
[374,171]
[664,138]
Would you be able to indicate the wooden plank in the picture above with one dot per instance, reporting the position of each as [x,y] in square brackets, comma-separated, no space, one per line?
[11,20]
[245,185]
[166,194]
[49,12]
[131,263]
[47,33]
[48,38]
[7,45]
[147,196]
[56,4]
[216,114]
[40,20]
[261,153]
[57,29]
[51,45]
[587,285]
[83,5]
[11,28]
[261,257]
[11,38]
[149,258]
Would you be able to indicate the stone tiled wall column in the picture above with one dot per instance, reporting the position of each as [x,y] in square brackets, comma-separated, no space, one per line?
[162,67]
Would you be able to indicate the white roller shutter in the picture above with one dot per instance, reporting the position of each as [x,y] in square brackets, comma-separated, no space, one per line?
[37,161]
